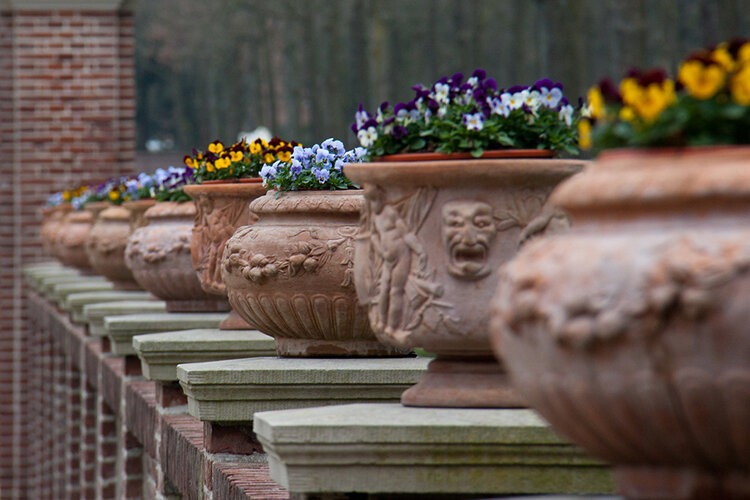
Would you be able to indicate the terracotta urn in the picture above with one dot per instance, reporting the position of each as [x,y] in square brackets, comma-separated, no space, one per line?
[431,236]
[158,254]
[221,208]
[106,244]
[71,239]
[290,274]
[137,212]
[629,333]
[51,220]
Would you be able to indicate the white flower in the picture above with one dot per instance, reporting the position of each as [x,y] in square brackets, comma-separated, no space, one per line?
[473,81]
[360,117]
[586,110]
[474,121]
[566,114]
[442,91]
[367,137]
[513,101]
[498,107]
[532,99]
[551,97]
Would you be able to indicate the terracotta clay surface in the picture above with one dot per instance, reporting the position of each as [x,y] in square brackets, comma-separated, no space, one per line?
[106,244]
[158,254]
[137,210]
[431,235]
[220,210]
[291,274]
[629,333]
[51,219]
[71,239]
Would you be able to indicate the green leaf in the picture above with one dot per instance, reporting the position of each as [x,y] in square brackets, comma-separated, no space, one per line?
[477,153]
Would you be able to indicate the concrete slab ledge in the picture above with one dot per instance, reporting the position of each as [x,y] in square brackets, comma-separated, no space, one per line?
[160,353]
[392,449]
[94,314]
[234,390]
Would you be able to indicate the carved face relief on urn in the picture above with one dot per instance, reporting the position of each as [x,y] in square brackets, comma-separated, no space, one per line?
[468,230]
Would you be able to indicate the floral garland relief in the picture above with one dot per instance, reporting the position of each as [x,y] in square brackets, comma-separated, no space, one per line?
[402,293]
[309,255]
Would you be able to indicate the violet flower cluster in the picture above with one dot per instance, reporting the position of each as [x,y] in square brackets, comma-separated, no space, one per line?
[454,115]
[316,167]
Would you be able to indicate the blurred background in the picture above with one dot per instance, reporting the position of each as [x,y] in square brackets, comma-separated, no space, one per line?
[213,69]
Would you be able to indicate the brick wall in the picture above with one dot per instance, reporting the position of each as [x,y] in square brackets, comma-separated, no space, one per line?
[66,117]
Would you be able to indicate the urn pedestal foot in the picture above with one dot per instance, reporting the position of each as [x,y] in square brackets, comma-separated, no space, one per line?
[680,483]
[315,348]
[463,383]
[235,322]
[198,305]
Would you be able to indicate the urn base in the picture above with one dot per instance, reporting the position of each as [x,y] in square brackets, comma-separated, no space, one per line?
[681,483]
[316,348]
[198,305]
[463,383]
[235,322]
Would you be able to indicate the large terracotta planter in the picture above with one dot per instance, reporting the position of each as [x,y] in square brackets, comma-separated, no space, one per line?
[432,234]
[291,274]
[630,333]
[52,218]
[158,254]
[137,212]
[106,244]
[220,210]
[71,239]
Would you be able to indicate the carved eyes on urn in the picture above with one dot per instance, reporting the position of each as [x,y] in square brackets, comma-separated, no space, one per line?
[468,229]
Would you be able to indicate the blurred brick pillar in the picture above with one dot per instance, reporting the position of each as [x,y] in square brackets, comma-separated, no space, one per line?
[66,117]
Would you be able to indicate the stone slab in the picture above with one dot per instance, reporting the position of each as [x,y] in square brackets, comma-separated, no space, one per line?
[34,272]
[94,314]
[75,302]
[234,390]
[61,292]
[160,353]
[122,329]
[47,283]
[392,449]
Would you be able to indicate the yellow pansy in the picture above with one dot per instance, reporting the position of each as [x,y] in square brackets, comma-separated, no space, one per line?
[596,102]
[255,147]
[630,91]
[743,55]
[285,156]
[653,100]
[210,166]
[114,195]
[584,134]
[268,158]
[722,56]
[627,114]
[236,155]
[66,196]
[189,162]
[222,162]
[701,80]
[216,147]
[740,86]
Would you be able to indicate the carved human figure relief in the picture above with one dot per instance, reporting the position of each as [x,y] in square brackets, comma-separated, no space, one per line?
[468,229]
[402,293]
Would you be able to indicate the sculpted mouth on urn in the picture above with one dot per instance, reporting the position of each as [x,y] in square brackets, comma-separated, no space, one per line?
[468,229]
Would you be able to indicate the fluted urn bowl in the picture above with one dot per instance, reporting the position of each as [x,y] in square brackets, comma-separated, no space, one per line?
[51,220]
[290,274]
[431,236]
[221,208]
[630,333]
[158,254]
[106,244]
